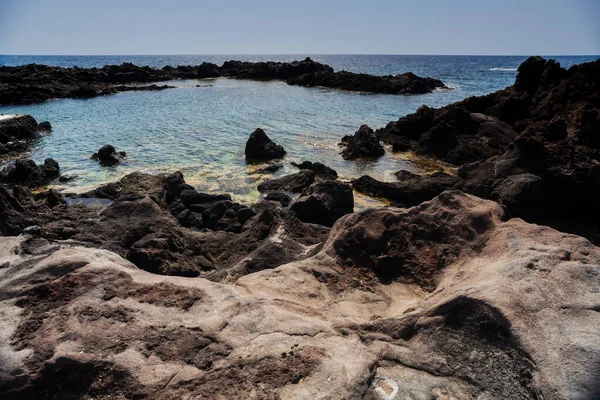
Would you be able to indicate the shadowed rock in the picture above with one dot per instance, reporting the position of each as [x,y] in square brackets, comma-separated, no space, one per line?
[28,173]
[533,147]
[16,131]
[108,156]
[260,148]
[324,202]
[320,170]
[295,183]
[364,144]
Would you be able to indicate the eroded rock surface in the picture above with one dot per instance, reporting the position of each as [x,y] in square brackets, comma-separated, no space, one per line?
[447,299]
[149,222]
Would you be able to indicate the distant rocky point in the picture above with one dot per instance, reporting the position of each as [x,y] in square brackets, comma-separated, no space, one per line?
[36,83]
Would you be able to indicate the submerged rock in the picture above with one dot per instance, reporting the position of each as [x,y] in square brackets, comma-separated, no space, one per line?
[364,143]
[259,147]
[108,156]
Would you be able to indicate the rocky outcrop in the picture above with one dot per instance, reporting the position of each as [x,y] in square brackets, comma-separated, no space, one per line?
[108,156]
[260,147]
[164,226]
[28,173]
[533,147]
[324,202]
[407,83]
[16,131]
[364,144]
[36,83]
[446,299]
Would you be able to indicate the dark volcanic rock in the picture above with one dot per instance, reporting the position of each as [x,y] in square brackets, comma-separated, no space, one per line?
[321,170]
[53,198]
[147,223]
[324,203]
[364,143]
[407,83]
[281,197]
[108,156]
[37,83]
[16,132]
[411,190]
[259,147]
[534,147]
[295,183]
[12,220]
[45,126]
[28,173]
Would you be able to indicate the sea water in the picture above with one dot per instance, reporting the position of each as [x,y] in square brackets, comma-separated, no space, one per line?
[202,131]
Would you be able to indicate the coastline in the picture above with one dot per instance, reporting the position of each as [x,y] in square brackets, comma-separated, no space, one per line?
[453,287]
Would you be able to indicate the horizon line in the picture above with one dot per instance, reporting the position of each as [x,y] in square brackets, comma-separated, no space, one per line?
[301,54]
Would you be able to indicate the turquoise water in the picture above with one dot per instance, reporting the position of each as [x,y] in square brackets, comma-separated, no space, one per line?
[202,130]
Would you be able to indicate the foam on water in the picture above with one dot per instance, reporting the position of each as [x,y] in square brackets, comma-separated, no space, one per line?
[503,69]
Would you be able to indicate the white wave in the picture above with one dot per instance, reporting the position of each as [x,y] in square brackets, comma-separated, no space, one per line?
[449,86]
[503,69]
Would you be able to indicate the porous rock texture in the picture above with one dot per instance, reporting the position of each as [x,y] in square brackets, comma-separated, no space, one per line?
[447,299]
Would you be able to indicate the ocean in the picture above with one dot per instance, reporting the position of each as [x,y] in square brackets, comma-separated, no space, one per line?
[202,130]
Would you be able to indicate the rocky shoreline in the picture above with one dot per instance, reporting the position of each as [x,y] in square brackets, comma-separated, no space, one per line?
[37,83]
[165,292]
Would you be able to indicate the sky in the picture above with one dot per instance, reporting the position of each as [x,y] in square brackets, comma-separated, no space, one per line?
[503,27]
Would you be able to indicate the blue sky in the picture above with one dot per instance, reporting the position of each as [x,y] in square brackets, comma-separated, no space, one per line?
[546,27]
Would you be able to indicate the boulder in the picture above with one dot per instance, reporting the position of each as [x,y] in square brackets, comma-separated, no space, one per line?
[16,131]
[108,156]
[53,198]
[324,203]
[28,173]
[45,126]
[259,147]
[364,144]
